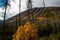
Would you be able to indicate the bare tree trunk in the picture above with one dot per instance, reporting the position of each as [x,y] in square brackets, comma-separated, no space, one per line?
[29,6]
[44,3]
[4,20]
[32,13]
[16,23]
[19,10]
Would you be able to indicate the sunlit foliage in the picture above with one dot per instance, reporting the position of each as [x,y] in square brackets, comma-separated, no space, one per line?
[26,32]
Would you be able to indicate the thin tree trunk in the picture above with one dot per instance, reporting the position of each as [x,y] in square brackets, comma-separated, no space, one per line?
[30,8]
[19,10]
[4,21]
[44,3]
[32,12]
[16,23]
[57,25]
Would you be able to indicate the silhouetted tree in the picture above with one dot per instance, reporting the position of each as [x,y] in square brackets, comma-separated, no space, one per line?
[19,11]
[5,8]
[44,3]
[29,6]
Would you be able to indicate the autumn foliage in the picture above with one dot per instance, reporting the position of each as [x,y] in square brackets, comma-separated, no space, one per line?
[26,32]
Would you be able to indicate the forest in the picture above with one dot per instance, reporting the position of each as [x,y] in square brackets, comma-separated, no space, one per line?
[38,23]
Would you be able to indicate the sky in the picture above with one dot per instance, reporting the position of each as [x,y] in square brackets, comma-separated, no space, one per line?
[15,6]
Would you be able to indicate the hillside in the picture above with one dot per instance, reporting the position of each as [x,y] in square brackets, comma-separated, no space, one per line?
[45,18]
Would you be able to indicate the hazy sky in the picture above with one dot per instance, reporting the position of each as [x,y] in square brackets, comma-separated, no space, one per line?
[15,6]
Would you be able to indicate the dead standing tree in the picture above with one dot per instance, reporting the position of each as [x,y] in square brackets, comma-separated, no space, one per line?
[5,5]
[5,8]
[29,6]
[19,11]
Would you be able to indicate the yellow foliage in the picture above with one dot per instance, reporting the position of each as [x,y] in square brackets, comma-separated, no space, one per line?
[26,32]
[41,18]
